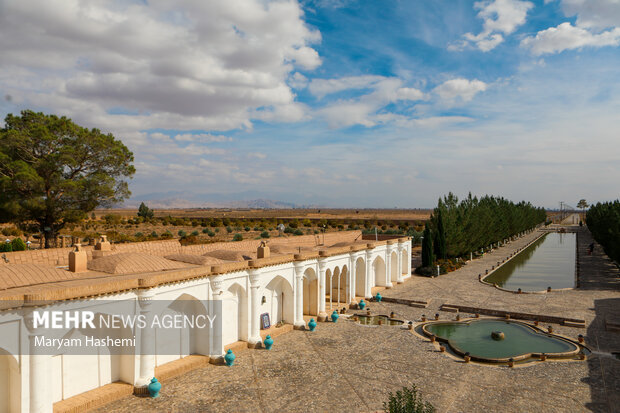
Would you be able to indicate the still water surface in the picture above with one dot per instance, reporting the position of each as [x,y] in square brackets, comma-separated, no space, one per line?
[549,262]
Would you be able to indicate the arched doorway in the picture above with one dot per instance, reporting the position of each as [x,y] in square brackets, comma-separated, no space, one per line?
[10,388]
[279,300]
[333,288]
[360,277]
[404,262]
[394,267]
[235,313]
[378,269]
[311,293]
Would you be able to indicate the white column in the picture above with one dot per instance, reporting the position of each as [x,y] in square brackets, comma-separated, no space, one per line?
[147,339]
[39,373]
[217,332]
[255,337]
[352,278]
[322,314]
[399,256]
[409,246]
[299,297]
[388,266]
[369,276]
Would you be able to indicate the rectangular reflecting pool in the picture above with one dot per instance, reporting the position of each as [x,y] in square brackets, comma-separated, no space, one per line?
[548,262]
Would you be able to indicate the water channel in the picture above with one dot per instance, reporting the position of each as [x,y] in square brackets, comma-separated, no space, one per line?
[548,262]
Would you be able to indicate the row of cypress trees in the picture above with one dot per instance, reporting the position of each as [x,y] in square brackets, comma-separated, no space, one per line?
[457,228]
[603,221]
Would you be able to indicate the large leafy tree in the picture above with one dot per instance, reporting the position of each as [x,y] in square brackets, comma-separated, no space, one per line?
[53,172]
[427,247]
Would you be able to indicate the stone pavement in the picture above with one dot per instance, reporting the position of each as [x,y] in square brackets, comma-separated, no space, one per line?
[346,367]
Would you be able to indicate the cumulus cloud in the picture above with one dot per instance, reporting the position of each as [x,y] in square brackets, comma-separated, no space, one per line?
[597,25]
[181,65]
[595,14]
[363,110]
[500,16]
[566,37]
[463,89]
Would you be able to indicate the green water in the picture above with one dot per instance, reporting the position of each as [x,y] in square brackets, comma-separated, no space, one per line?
[549,262]
[475,337]
[374,320]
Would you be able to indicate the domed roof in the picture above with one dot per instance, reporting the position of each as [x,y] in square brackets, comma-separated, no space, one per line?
[20,275]
[194,259]
[132,263]
[229,255]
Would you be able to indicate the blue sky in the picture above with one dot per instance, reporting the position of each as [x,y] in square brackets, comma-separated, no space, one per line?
[333,102]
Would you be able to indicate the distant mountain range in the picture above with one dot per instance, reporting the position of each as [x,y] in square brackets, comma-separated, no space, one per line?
[170,202]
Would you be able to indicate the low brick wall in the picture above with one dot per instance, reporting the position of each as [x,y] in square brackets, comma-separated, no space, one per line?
[574,322]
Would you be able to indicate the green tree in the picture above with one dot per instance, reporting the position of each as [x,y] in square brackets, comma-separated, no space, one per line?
[583,205]
[427,247]
[440,236]
[145,212]
[54,172]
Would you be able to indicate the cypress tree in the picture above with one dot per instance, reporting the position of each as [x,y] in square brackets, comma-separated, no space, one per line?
[427,247]
[440,237]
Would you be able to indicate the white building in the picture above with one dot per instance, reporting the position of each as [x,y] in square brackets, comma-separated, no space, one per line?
[288,284]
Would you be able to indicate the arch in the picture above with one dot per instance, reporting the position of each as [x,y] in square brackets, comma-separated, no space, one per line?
[175,343]
[279,300]
[10,383]
[311,293]
[378,270]
[404,262]
[328,283]
[333,291]
[235,313]
[394,267]
[360,277]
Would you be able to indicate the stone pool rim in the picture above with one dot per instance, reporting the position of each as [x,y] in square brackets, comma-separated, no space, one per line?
[543,234]
[403,322]
[570,355]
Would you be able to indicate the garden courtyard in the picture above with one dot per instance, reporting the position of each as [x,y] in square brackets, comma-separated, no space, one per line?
[347,367]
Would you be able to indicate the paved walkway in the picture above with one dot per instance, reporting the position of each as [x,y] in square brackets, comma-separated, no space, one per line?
[346,367]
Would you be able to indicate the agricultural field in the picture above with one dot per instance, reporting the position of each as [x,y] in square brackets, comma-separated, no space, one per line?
[196,226]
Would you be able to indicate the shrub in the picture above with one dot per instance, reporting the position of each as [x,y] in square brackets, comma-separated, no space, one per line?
[205,231]
[246,229]
[195,233]
[166,235]
[289,230]
[6,247]
[11,231]
[264,234]
[407,400]
[211,233]
[18,244]
[298,232]
[182,233]
[154,234]
[229,229]
[238,237]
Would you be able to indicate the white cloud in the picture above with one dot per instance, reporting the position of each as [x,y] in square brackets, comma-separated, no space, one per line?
[200,137]
[500,16]
[363,110]
[597,25]
[323,87]
[566,37]
[175,65]
[460,88]
[298,81]
[595,14]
